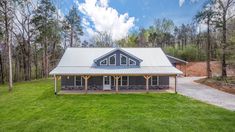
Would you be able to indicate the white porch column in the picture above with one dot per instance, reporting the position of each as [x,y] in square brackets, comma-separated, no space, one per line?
[86,82]
[116,82]
[147,82]
[55,81]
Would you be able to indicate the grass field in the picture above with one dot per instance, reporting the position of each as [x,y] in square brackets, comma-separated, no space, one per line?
[32,106]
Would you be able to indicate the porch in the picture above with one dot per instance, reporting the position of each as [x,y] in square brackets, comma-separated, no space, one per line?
[81,84]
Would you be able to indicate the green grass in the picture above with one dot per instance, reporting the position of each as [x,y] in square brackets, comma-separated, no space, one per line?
[32,106]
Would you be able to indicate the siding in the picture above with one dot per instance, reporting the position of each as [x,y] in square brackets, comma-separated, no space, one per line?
[98,81]
[164,80]
[118,52]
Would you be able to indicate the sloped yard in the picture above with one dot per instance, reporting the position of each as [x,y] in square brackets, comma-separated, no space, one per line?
[32,106]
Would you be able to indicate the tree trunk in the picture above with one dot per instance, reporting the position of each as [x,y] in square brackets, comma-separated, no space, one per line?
[1,69]
[209,75]
[71,38]
[7,42]
[36,62]
[224,42]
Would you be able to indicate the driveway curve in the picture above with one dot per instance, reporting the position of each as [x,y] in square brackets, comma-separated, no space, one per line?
[187,87]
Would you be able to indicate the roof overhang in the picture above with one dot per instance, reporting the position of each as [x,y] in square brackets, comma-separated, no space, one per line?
[168,70]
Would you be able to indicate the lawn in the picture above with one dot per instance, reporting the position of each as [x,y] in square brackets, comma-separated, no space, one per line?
[32,106]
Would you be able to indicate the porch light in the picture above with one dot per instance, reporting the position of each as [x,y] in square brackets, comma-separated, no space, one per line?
[67,77]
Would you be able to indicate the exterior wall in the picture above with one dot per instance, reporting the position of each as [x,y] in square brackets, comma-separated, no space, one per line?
[67,81]
[164,80]
[96,83]
[118,52]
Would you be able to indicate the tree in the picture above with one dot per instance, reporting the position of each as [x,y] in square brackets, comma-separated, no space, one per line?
[73,22]
[23,31]
[45,24]
[6,11]
[224,10]
[206,16]
[103,39]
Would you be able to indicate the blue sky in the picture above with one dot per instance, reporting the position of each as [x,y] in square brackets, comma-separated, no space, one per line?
[147,10]
[102,15]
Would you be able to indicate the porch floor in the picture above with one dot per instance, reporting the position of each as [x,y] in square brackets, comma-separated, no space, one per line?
[61,92]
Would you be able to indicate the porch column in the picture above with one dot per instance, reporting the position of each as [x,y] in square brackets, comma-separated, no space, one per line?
[175,83]
[55,82]
[116,82]
[147,82]
[86,81]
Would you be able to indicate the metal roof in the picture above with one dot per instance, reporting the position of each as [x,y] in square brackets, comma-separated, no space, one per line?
[117,71]
[81,61]
[176,60]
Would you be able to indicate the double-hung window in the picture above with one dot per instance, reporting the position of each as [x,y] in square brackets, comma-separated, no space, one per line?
[154,80]
[125,80]
[78,81]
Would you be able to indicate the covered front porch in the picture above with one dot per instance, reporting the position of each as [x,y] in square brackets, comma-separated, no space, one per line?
[95,84]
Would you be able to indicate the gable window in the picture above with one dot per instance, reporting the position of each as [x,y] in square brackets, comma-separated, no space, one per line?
[154,80]
[132,62]
[123,60]
[103,62]
[78,81]
[112,60]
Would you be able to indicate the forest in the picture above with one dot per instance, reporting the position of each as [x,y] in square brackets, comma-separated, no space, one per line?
[33,37]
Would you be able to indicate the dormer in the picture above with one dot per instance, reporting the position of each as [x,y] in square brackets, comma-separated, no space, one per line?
[118,57]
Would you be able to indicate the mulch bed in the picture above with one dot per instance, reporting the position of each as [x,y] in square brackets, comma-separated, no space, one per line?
[218,84]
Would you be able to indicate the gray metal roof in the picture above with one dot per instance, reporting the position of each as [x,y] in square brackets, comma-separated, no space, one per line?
[173,59]
[81,61]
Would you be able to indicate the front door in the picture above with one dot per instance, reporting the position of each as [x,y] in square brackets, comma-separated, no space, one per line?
[106,82]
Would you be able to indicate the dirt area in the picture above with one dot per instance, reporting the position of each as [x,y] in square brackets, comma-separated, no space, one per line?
[199,69]
[226,85]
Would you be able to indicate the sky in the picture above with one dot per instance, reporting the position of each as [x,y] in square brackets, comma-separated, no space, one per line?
[120,17]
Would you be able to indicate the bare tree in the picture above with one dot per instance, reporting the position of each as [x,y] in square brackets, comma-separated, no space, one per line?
[225,11]
[6,10]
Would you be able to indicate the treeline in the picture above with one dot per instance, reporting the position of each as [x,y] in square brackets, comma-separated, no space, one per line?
[33,36]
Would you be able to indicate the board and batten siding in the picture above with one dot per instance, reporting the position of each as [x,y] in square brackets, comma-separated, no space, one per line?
[118,55]
[98,80]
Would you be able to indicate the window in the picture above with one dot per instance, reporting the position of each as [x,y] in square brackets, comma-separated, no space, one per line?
[132,62]
[112,60]
[125,80]
[103,62]
[78,81]
[154,80]
[123,60]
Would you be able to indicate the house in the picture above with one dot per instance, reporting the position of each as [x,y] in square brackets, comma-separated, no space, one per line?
[114,69]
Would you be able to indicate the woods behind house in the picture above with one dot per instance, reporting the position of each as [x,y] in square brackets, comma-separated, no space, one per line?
[33,36]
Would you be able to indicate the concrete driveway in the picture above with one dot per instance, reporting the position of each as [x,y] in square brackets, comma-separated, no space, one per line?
[186,86]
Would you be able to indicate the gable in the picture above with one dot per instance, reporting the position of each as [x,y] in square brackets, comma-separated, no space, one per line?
[118,57]
[84,57]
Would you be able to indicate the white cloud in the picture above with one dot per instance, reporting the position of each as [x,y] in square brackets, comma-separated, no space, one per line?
[103,18]
[181,2]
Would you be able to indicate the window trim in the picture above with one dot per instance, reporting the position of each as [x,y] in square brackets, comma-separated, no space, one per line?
[104,60]
[75,81]
[133,61]
[121,59]
[127,81]
[114,61]
[157,81]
